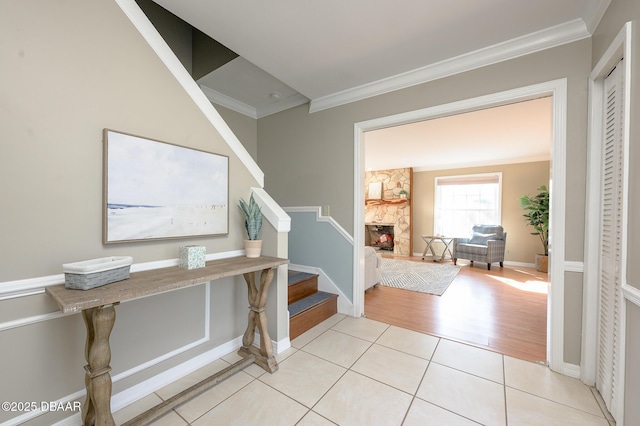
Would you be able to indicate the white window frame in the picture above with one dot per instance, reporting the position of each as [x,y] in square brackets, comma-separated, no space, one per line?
[470,178]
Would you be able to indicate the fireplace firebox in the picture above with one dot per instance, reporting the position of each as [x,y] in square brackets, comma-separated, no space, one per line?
[379,236]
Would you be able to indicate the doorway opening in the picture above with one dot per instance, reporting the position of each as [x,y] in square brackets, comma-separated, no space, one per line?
[557,90]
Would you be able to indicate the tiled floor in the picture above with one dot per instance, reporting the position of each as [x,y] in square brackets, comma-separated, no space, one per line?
[356,371]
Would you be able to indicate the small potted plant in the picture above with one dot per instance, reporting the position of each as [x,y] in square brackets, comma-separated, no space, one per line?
[403,193]
[537,216]
[253,223]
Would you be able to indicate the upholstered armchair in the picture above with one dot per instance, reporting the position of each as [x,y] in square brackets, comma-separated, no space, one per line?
[372,267]
[486,244]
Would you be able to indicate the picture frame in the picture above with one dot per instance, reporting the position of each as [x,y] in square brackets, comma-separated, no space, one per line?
[154,190]
[375,190]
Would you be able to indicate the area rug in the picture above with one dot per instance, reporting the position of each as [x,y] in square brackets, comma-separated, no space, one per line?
[433,278]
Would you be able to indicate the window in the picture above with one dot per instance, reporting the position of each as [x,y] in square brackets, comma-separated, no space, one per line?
[464,201]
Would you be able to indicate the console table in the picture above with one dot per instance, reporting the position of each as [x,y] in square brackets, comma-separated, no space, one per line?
[98,312]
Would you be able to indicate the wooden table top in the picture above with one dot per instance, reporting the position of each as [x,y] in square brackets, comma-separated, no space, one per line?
[156,281]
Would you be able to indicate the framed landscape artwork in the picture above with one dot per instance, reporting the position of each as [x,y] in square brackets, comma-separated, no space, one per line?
[156,190]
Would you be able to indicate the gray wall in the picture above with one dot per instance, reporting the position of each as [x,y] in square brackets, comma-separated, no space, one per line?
[517,180]
[245,128]
[70,69]
[308,159]
[620,12]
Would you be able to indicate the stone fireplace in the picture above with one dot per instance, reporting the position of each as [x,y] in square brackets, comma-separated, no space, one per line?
[380,236]
[388,210]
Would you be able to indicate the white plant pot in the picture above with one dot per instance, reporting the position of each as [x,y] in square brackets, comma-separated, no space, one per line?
[252,248]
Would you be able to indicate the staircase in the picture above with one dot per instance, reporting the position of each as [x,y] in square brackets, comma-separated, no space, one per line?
[308,306]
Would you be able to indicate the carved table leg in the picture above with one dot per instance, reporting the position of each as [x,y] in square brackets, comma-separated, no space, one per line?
[97,406]
[258,318]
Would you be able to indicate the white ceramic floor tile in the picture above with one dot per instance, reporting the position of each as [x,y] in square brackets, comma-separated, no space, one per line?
[314,419]
[358,400]
[285,354]
[411,342]
[362,328]
[254,405]
[308,336]
[332,320]
[199,405]
[304,377]
[524,409]
[470,359]
[338,348]
[142,405]
[255,370]
[423,413]
[232,357]
[394,368]
[312,333]
[603,406]
[191,379]
[541,381]
[470,396]
[462,385]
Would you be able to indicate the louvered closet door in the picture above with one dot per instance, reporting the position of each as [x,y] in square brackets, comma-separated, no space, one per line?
[610,338]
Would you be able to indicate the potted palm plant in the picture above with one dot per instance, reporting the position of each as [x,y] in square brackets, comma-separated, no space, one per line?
[537,216]
[253,223]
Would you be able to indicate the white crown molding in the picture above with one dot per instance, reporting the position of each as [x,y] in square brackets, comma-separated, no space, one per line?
[531,159]
[256,113]
[282,105]
[545,39]
[229,102]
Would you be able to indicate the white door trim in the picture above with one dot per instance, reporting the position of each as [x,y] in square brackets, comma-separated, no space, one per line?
[620,48]
[558,90]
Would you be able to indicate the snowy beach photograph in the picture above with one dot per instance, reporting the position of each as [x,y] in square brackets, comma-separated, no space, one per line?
[156,190]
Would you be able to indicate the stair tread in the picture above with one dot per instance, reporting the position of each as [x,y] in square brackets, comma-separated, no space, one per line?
[296,277]
[309,302]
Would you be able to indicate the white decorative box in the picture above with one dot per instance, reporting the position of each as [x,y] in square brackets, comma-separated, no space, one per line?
[96,272]
[192,257]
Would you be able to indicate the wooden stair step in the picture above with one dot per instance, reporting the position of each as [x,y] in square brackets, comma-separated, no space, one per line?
[297,276]
[310,311]
[301,285]
[308,302]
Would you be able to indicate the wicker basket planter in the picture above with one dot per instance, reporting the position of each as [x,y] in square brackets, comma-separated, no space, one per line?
[96,272]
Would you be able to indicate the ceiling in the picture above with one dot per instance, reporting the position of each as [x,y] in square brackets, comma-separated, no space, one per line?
[333,52]
[515,133]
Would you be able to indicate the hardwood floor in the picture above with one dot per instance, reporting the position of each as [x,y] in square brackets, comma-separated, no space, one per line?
[503,310]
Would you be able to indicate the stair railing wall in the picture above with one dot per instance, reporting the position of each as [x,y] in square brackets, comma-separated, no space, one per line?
[320,242]
[275,237]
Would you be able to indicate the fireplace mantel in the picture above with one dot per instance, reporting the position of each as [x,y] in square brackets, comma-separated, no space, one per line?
[392,202]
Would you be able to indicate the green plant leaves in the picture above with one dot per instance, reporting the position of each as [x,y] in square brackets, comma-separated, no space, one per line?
[252,217]
[537,214]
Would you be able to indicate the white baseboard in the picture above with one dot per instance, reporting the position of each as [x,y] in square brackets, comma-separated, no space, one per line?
[508,263]
[571,370]
[147,387]
[326,284]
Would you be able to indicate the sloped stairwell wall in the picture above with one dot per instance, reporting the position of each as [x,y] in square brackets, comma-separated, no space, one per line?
[69,70]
